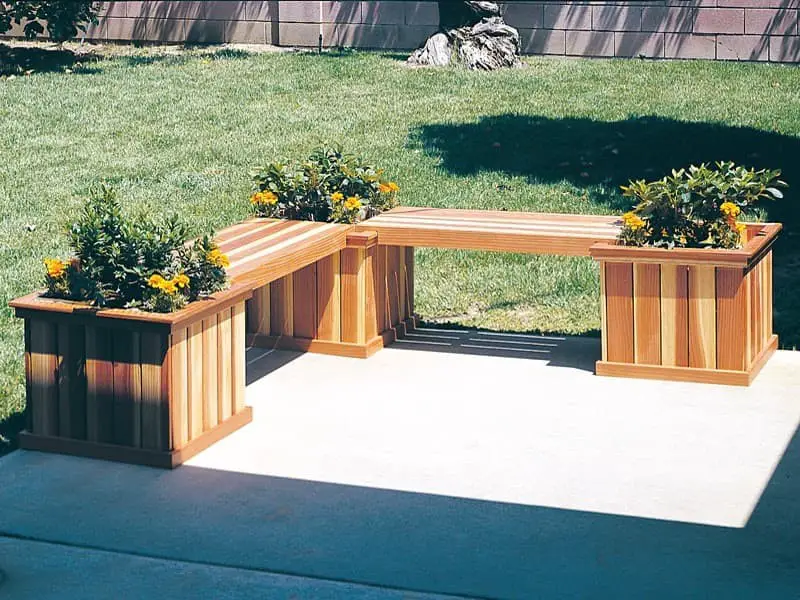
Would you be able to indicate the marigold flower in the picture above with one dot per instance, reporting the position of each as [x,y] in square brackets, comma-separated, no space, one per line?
[181,280]
[393,186]
[337,197]
[155,281]
[218,259]
[169,287]
[632,221]
[741,228]
[352,203]
[384,188]
[729,209]
[55,267]
[264,198]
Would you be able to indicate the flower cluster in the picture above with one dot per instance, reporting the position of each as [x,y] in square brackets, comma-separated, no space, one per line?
[697,207]
[329,186]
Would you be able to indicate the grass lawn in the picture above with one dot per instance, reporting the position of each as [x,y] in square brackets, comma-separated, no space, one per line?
[178,133]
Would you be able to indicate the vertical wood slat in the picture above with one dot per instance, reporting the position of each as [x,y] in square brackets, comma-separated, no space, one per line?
[28,377]
[647,313]
[238,360]
[329,326]
[619,310]
[281,307]
[409,278]
[258,311]
[210,400]
[674,315]
[381,293]
[603,314]
[99,385]
[71,382]
[353,295]
[155,396]
[195,379]
[370,284]
[702,317]
[756,309]
[304,291]
[127,389]
[393,283]
[732,298]
[44,380]
[402,306]
[768,299]
[179,388]
[224,348]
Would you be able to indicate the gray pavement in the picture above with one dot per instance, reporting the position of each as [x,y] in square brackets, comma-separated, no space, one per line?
[476,465]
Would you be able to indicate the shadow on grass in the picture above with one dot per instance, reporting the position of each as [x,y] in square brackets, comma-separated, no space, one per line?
[18,60]
[183,58]
[600,155]
[9,432]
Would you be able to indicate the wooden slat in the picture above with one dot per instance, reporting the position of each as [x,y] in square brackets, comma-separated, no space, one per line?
[179,392]
[224,372]
[353,295]
[756,310]
[258,311]
[195,379]
[328,299]
[370,283]
[238,361]
[71,382]
[393,283]
[674,315]
[44,377]
[619,312]
[304,297]
[282,306]
[409,277]
[702,317]
[155,397]
[603,314]
[402,309]
[647,314]
[381,293]
[99,385]
[127,389]
[28,377]
[732,319]
[768,308]
[210,369]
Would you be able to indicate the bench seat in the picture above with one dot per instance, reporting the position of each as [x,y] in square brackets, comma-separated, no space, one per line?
[501,231]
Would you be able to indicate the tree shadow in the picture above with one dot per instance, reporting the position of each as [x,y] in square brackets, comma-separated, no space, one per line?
[599,156]
[18,60]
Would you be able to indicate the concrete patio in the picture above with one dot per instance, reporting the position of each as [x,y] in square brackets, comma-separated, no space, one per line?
[496,465]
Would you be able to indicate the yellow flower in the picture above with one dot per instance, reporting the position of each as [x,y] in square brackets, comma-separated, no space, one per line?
[352,203]
[632,221]
[181,281]
[169,287]
[682,239]
[218,259]
[155,281]
[261,198]
[337,197]
[55,267]
[384,188]
[393,186]
[729,209]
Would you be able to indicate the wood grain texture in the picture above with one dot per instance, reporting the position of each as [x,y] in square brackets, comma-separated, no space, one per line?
[353,295]
[393,283]
[619,311]
[756,310]
[28,377]
[282,306]
[238,359]
[409,278]
[44,377]
[155,386]
[71,382]
[665,373]
[195,378]
[258,311]
[304,296]
[381,289]
[647,314]
[210,371]
[179,388]
[127,389]
[99,385]
[732,319]
[224,369]
[702,317]
[402,306]
[329,298]
[370,286]
[603,313]
[674,315]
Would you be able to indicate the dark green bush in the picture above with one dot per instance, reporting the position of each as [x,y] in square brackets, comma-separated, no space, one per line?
[62,18]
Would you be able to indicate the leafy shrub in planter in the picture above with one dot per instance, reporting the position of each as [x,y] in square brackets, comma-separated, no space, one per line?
[125,262]
[330,186]
[696,207]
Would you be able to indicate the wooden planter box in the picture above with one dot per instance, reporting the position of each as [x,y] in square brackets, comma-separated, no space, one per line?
[351,303]
[132,386]
[688,314]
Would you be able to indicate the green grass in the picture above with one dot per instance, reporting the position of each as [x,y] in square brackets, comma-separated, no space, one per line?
[179,133]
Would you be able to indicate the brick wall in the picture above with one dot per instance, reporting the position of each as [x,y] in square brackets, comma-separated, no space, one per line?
[758,30]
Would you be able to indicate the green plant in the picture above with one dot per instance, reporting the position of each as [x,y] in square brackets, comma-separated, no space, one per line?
[134,262]
[696,207]
[63,18]
[329,186]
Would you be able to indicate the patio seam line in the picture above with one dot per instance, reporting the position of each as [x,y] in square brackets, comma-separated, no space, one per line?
[26,538]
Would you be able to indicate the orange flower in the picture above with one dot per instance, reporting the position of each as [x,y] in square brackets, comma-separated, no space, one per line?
[262,198]
[352,203]
[384,188]
[55,267]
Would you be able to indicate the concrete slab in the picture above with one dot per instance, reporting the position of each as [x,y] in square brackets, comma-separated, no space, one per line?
[43,571]
[461,473]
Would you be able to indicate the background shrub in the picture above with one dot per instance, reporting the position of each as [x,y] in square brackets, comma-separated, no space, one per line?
[63,18]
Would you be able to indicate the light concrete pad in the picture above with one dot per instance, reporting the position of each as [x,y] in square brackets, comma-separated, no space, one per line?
[461,473]
[43,571]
